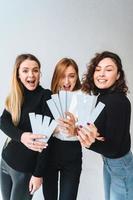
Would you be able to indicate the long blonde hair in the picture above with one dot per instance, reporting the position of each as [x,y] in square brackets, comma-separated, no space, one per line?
[15,98]
[60,68]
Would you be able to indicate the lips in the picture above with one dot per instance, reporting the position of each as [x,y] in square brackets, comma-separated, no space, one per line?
[29,81]
[66,87]
[101,80]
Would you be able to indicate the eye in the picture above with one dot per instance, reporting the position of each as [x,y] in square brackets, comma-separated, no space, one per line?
[25,71]
[72,76]
[36,70]
[97,69]
[109,69]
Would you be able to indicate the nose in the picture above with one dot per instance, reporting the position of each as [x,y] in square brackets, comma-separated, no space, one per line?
[102,73]
[30,73]
[66,80]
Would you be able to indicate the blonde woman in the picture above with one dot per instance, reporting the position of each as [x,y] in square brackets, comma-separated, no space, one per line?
[21,168]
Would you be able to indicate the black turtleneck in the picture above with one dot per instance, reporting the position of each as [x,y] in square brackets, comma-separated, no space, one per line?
[114,124]
[18,156]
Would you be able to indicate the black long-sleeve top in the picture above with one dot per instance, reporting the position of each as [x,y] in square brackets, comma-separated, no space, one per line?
[16,154]
[113,124]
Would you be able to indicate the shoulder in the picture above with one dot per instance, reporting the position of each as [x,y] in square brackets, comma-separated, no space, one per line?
[116,100]
[46,92]
[119,98]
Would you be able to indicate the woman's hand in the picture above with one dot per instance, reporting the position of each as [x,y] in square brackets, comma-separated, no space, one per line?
[67,125]
[88,134]
[33,141]
[35,183]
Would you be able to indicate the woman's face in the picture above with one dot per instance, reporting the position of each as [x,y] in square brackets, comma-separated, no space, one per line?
[29,74]
[106,73]
[68,79]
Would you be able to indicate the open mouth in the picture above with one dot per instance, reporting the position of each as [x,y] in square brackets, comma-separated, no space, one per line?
[67,88]
[31,83]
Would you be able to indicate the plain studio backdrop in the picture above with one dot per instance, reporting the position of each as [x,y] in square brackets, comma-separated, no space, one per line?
[53,29]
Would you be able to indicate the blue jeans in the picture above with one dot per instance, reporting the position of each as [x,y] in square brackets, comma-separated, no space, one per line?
[118,177]
[14,184]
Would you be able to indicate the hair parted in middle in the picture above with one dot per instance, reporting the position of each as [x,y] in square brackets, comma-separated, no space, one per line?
[15,99]
[60,68]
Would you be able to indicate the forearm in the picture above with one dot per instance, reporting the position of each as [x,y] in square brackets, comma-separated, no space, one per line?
[42,161]
[7,126]
[106,148]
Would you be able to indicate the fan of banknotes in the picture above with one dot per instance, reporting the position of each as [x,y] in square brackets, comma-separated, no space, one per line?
[40,125]
[80,104]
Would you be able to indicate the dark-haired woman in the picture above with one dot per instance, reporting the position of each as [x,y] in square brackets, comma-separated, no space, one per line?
[105,76]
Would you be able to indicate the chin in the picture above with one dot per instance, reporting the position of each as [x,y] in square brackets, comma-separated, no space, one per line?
[31,88]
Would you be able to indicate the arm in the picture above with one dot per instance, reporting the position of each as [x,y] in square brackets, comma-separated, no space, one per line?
[42,161]
[114,124]
[43,156]
[8,127]
[27,138]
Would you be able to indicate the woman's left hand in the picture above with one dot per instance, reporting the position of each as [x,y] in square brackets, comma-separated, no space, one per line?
[67,124]
[35,183]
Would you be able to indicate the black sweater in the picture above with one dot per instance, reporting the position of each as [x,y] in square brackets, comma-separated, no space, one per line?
[114,124]
[17,155]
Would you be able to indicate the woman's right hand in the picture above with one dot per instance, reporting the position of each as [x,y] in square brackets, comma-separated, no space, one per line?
[88,134]
[68,124]
[33,141]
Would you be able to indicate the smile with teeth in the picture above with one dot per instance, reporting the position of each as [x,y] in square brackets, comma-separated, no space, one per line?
[101,80]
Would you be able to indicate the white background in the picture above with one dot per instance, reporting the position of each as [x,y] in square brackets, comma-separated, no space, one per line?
[53,29]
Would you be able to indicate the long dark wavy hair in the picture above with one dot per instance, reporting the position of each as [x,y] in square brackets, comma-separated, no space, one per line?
[88,85]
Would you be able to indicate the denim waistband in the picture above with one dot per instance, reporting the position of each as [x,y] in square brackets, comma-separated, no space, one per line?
[126,159]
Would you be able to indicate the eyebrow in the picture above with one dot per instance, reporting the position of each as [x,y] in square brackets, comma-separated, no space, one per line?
[32,68]
[105,66]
